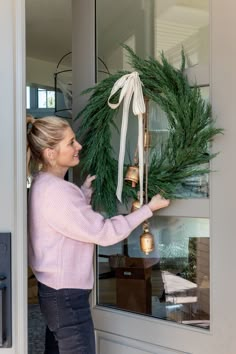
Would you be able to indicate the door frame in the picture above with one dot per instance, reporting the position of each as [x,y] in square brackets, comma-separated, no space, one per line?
[20,250]
[13,166]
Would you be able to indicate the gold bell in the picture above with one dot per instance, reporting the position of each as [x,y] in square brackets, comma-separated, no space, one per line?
[146,240]
[135,205]
[132,175]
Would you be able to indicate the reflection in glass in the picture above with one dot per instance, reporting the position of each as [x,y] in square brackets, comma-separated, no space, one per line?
[182,24]
[193,187]
[172,283]
[155,26]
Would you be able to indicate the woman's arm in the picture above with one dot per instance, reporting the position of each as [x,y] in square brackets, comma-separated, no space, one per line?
[67,212]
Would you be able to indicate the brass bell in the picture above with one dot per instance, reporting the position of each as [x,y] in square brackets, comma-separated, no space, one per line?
[135,205]
[132,175]
[146,240]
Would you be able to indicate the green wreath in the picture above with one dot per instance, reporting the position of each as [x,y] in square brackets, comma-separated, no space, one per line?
[191,130]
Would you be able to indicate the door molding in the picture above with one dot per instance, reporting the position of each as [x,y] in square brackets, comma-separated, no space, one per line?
[20,241]
[13,166]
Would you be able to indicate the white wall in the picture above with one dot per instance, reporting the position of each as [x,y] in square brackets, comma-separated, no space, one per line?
[41,72]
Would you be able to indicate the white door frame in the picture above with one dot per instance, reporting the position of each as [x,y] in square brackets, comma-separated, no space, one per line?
[12,160]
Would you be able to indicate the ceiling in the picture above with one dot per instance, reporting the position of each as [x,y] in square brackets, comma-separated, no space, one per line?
[48,29]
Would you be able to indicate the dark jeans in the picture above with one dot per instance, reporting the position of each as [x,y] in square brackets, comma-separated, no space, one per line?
[68,318]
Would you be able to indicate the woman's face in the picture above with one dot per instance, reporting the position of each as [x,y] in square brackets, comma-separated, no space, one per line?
[66,154]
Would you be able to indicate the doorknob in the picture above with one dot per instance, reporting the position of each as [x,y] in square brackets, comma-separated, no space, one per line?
[5,291]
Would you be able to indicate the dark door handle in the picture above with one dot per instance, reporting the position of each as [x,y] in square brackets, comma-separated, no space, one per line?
[2,291]
[5,291]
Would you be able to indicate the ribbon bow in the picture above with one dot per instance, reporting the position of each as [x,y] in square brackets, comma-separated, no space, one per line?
[131,86]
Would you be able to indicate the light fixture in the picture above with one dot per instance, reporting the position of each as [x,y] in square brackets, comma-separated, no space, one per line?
[63,87]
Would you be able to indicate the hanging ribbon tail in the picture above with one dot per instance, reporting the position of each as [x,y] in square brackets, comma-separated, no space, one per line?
[123,133]
[138,100]
[141,160]
[130,86]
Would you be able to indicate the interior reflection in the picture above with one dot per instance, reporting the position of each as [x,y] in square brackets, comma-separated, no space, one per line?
[172,283]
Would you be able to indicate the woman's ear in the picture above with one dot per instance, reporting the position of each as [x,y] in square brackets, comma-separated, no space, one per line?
[49,155]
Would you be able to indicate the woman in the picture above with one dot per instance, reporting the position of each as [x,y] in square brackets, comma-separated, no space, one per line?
[63,230]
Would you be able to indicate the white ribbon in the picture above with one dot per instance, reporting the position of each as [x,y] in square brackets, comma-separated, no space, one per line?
[130,85]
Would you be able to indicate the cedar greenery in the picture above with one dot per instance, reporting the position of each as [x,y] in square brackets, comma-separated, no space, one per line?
[191,130]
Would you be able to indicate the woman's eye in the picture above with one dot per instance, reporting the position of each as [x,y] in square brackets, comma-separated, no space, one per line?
[72,143]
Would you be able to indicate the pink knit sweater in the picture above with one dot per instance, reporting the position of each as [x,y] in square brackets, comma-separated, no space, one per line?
[63,229]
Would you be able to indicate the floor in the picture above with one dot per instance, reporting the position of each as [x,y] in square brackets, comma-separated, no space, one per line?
[36,330]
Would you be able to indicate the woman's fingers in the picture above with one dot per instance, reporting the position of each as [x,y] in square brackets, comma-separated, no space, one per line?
[89,180]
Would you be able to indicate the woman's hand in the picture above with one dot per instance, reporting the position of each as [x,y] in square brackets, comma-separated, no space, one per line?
[88,181]
[158,202]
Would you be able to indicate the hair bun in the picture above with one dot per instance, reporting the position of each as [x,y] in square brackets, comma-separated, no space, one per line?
[30,119]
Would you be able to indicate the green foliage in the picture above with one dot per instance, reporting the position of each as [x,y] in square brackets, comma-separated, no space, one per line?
[191,130]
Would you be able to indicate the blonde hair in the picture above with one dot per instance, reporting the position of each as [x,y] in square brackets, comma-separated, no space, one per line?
[42,133]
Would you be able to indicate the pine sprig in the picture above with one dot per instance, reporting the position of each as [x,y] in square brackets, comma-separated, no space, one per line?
[191,131]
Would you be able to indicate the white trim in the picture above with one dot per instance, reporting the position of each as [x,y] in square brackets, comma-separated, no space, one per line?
[20,234]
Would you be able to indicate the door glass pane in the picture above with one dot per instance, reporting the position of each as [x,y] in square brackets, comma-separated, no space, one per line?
[155,26]
[182,24]
[193,187]
[172,283]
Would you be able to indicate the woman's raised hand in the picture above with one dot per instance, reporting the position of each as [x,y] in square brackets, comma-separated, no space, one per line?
[158,202]
[88,181]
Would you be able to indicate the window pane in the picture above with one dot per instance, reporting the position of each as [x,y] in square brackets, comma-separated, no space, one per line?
[172,283]
[42,98]
[155,26]
[182,24]
[27,97]
[50,99]
[193,187]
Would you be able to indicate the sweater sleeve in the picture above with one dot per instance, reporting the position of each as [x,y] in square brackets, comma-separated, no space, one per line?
[87,192]
[67,212]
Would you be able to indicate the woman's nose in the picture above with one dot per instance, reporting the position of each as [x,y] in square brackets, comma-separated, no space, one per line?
[78,145]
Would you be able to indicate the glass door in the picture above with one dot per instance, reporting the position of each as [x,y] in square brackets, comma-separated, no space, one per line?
[168,291]
[172,282]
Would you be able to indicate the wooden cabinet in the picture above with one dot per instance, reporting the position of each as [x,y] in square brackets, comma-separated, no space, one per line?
[133,285]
